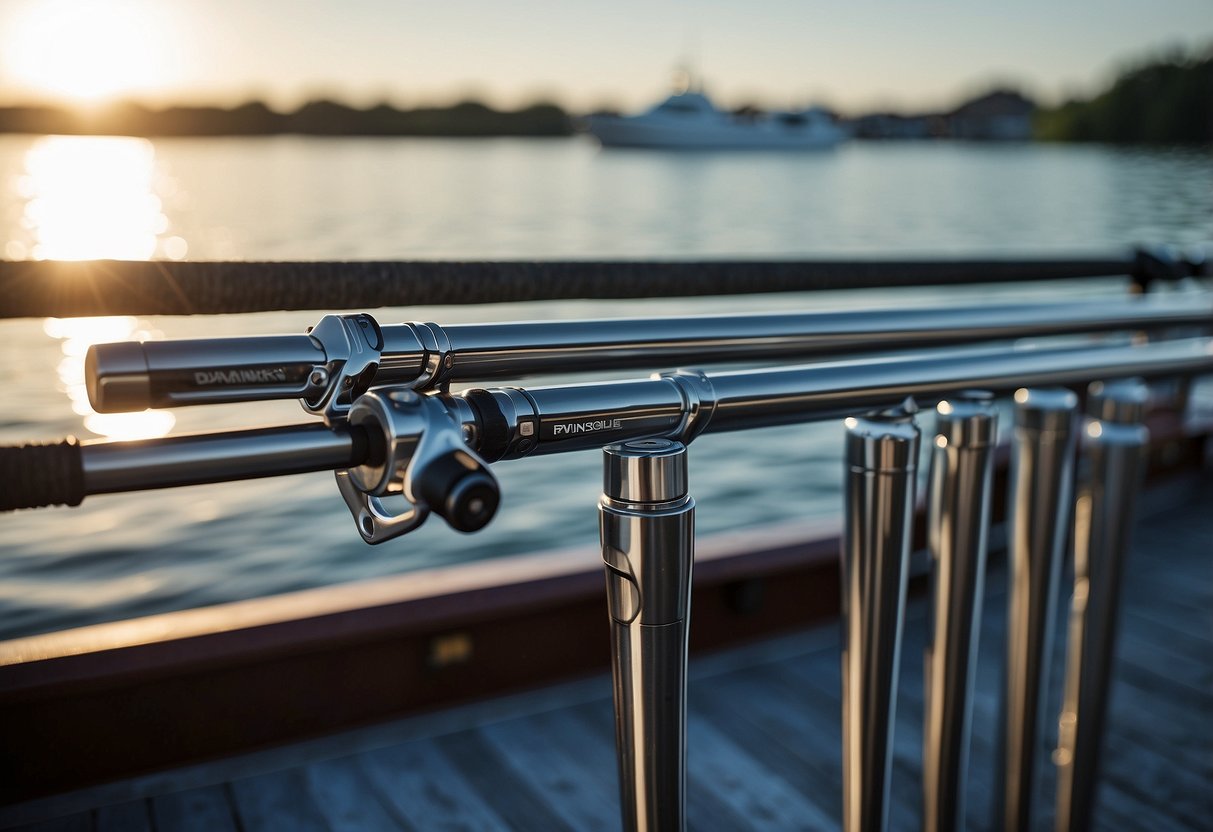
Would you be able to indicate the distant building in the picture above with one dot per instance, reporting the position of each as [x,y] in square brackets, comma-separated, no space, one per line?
[1002,115]
[891,126]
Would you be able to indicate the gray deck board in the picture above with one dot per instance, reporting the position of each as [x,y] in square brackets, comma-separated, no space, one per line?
[82,822]
[135,816]
[206,809]
[516,799]
[529,747]
[764,735]
[344,796]
[424,789]
[277,800]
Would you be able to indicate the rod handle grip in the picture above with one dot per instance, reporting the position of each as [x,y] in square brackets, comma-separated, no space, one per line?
[41,474]
[129,376]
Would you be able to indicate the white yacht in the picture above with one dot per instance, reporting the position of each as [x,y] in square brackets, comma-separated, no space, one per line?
[689,121]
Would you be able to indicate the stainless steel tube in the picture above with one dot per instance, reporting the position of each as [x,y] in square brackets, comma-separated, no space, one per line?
[575,417]
[881,459]
[760,398]
[958,517]
[136,375]
[516,350]
[1041,483]
[193,459]
[647,525]
[1114,441]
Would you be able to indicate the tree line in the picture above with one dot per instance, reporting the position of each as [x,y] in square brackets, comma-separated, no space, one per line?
[1166,100]
[315,118]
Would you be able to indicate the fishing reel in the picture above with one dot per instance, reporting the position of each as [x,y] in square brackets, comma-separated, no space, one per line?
[416,455]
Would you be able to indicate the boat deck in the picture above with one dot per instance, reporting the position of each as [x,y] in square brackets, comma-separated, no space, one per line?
[764,744]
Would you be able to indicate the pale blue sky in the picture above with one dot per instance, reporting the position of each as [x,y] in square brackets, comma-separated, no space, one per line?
[857,55]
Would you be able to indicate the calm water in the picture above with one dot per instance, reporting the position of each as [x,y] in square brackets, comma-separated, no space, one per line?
[286,198]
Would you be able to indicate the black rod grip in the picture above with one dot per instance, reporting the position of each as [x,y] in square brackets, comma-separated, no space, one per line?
[41,474]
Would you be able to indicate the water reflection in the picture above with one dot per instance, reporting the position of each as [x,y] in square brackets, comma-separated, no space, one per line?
[89,197]
[86,198]
[77,335]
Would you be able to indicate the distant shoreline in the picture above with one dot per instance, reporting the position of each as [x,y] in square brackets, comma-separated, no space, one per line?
[317,118]
[1164,101]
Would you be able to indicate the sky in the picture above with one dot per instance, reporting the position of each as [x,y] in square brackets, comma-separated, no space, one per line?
[854,56]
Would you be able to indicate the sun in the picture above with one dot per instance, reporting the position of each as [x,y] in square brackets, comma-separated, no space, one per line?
[86,50]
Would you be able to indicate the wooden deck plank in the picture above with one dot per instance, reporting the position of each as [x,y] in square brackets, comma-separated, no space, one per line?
[754,791]
[278,800]
[590,767]
[511,797]
[1184,791]
[205,809]
[79,822]
[135,816]
[581,797]
[1191,629]
[793,747]
[345,799]
[764,735]
[426,790]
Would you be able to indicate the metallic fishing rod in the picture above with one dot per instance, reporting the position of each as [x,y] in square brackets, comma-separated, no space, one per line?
[398,442]
[345,355]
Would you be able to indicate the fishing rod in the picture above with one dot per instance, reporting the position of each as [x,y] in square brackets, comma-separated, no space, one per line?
[343,356]
[433,449]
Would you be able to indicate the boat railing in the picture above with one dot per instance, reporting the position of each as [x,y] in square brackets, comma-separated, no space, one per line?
[37,288]
[403,446]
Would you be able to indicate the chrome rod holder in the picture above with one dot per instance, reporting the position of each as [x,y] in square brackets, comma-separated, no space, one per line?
[1114,441]
[881,458]
[1042,467]
[647,525]
[958,519]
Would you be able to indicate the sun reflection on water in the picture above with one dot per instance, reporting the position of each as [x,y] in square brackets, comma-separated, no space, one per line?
[77,335]
[89,197]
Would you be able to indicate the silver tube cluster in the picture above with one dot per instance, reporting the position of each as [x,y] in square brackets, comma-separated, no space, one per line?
[433,449]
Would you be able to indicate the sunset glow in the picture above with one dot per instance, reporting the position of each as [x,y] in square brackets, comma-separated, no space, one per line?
[85,51]
[89,197]
[773,53]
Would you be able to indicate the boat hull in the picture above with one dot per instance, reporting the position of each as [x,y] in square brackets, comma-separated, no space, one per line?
[615,131]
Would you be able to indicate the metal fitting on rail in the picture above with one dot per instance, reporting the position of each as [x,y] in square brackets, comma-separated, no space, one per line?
[416,451]
[327,369]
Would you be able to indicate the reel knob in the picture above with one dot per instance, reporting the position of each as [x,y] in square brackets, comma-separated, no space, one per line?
[459,488]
